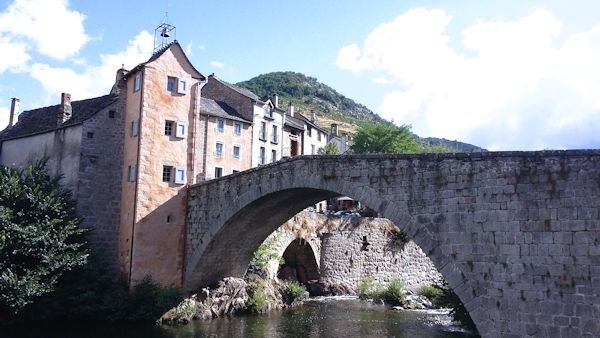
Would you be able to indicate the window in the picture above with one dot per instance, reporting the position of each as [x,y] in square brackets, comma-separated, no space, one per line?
[135,128]
[168,128]
[312,149]
[309,131]
[90,134]
[235,171]
[219,149]
[180,129]
[273,156]
[137,82]
[218,172]
[274,134]
[166,174]
[263,131]
[237,129]
[112,114]
[262,156]
[171,84]
[237,152]
[175,85]
[319,135]
[220,125]
[180,175]
[168,219]
[268,111]
[131,173]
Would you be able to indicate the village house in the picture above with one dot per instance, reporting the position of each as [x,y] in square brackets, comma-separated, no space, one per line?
[227,145]
[266,117]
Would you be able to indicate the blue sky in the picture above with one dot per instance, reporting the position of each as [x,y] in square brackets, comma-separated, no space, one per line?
[510,75]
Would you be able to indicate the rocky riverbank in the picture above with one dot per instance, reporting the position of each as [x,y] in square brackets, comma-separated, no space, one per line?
[235,296]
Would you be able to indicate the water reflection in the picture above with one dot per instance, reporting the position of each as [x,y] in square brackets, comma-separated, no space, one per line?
[347,318]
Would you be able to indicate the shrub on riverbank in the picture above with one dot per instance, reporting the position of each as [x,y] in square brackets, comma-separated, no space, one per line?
[443,296]
[432,292]
[257,301]
[294,291]
[368,288]
[395,293]
[91,294]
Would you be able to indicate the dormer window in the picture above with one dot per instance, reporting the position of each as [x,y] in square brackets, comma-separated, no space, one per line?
[268,111]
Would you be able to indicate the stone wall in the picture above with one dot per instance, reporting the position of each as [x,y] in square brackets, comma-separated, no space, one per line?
[337,244]
[367,247]
[99,185]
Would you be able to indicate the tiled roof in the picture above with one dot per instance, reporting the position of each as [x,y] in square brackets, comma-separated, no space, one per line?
[44,119]
[220,109]
[240,90]
[309,122]
[160,52]
[294,122]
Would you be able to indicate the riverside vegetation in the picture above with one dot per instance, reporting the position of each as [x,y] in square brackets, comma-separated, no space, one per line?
[46,271]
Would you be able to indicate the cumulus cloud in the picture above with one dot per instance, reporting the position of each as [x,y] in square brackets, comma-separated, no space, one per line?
[49,25]
[95,79]
[515,85]
[217,64]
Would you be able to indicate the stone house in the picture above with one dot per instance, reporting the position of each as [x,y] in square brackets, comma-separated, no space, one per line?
[266,117]
[128,158]
[227,148]
[83,142]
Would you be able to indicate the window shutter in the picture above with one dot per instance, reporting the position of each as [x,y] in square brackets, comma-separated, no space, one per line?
[181,87]
[180,175]
[132,171]
[180,130]
[135,128]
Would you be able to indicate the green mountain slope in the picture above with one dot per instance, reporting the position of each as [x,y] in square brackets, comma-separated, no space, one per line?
[307,94]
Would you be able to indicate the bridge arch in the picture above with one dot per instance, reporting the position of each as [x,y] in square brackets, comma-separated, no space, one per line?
[479,219]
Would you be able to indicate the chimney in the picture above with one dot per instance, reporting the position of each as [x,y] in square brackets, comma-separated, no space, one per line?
[313,116]
[275,100]
[65,111]
[14,110]
[334,130]
[291,109]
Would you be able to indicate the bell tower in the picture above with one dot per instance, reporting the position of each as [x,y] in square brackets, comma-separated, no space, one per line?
[164,34]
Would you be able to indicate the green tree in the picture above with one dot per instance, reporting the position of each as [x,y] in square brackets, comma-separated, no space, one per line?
[329,149]
[380,138]
[40,237]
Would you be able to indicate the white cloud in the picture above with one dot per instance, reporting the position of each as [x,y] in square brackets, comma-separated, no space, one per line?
[55,30]
[520,89]
[217,64]
[95,79]
[188,49]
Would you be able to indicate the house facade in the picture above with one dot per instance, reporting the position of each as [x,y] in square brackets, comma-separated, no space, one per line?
[227,148]
[83,141]
[266,117]
[159,160]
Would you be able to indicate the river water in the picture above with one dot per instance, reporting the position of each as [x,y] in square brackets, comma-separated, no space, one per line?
[321,317]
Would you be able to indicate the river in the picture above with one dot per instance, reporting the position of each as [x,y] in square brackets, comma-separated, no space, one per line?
[320,317]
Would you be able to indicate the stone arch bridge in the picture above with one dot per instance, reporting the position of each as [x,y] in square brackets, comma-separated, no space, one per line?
[515,234]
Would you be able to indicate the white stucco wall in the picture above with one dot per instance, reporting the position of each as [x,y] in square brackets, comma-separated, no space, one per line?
[62,148]
[259,116]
